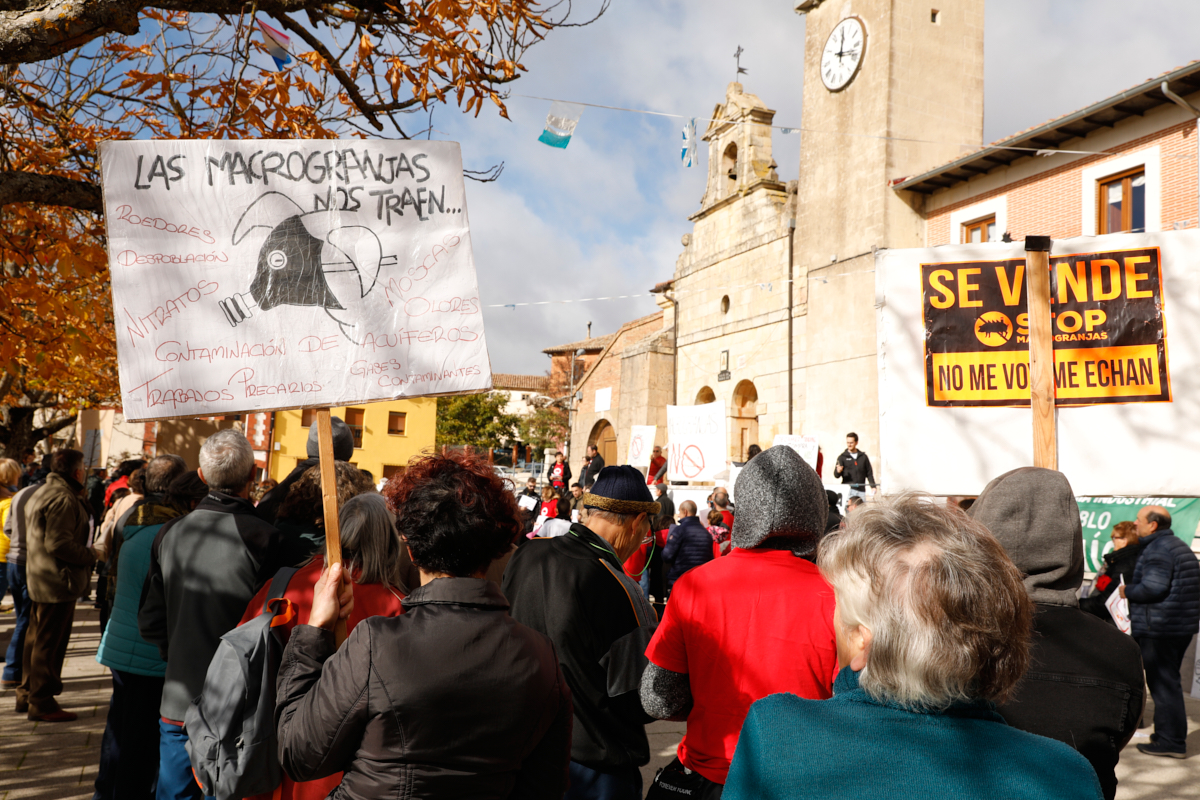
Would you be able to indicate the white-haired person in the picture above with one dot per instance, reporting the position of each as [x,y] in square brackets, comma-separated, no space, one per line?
[933,629]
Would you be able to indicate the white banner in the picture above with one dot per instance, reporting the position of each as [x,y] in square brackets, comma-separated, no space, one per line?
[805,446]
[936,434]
[641,445]
[697,442]
[258,275]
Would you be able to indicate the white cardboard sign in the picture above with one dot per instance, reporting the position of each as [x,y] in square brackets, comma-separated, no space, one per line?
[1103,449]
[258,275]
[641,445]
[805,446]
[697,442]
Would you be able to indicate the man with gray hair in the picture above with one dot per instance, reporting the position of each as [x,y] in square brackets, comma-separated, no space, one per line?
[204,568]
[719,649]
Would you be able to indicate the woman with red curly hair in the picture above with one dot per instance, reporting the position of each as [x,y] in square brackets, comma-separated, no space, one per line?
[453,698]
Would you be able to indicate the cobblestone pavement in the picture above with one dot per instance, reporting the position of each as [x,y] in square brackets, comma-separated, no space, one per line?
[58,760]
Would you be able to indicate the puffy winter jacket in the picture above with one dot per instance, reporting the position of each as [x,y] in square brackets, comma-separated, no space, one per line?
[688,546]
[122,646]
[1164,596]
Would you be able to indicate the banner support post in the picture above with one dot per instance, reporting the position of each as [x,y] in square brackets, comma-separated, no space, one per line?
[1041,352]
[333,539]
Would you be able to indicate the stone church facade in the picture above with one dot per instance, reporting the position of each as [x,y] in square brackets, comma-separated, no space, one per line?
[773,295]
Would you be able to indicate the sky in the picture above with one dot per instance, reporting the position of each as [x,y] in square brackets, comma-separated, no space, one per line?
[604,216]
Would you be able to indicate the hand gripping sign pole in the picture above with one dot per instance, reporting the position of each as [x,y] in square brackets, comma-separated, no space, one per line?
[333,537]
[1041,352]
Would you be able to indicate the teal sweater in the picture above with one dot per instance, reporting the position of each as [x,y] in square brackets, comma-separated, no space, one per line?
[122,647]
[853,746]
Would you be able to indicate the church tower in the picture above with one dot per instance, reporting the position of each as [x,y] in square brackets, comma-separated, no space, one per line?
[891,88]
[730,283]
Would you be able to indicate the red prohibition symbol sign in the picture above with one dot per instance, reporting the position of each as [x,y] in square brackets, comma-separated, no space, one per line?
[692,463]
[637,447]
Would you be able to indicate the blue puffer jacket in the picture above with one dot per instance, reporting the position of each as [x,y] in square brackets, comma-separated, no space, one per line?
[688,546]
[1164,596]
[122,647]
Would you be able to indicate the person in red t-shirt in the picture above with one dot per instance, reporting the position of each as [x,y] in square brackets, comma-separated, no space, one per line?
[656,462]
[558,474]
[371,551]
[716,650]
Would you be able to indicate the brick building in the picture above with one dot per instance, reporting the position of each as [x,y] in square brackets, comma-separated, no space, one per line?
[630,381]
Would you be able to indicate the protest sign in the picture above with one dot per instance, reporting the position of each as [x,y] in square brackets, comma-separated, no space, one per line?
[258,275]
[949,419]
[1110,343]
[641,445]
[697,442]
[805,446]
[1118,607]
[1098,515]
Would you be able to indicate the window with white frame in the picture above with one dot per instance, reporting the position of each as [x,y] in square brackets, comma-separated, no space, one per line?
[1122,194]
[985,221]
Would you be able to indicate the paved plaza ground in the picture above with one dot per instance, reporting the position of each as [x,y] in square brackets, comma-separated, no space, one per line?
[58,760]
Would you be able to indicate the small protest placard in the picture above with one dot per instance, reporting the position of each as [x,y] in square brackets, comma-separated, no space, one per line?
[641,445]
[258,275]
[805,446]
[697,442]
[1118,607]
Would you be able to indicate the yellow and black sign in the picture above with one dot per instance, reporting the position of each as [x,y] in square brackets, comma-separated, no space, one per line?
[1110,338]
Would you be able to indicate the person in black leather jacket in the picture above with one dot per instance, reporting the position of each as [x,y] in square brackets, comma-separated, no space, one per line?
[1164,609]
[1084,684]
[453,698]
[1118,564]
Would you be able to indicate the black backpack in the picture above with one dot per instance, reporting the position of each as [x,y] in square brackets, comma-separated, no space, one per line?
[231,725]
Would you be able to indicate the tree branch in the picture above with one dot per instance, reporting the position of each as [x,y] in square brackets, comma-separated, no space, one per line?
[52,190]
[335,67]
[35,30]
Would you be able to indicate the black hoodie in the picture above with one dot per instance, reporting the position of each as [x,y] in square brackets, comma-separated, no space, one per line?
[1084,686]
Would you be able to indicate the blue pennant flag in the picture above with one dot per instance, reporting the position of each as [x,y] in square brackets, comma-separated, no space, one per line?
[688,153]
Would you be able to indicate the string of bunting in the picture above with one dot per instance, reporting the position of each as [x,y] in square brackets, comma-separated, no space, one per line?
[764,285]
[565,114]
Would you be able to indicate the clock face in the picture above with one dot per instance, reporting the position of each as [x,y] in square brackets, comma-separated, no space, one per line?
[843,54]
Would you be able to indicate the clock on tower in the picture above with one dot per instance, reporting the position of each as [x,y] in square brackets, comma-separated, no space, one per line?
[843,54]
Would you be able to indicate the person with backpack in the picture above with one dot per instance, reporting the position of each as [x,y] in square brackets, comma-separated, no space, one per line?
[137,667]
[371,556]
[454,698]
[204,568]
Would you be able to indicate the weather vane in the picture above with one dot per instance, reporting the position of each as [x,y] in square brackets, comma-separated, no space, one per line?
[738,59]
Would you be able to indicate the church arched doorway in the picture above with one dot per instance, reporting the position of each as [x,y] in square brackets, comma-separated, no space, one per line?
[604,437]
[745,419]
[705,395]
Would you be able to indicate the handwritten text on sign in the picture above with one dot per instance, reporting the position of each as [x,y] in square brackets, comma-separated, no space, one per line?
[697,442]
[1110,342]
[272,274]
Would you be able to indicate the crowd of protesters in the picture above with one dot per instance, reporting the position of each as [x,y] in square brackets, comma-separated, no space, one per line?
[502,643]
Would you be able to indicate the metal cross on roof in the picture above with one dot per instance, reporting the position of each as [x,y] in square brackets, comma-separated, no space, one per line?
[738,60]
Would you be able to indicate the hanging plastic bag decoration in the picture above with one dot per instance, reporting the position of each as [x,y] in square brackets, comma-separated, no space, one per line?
[560,124]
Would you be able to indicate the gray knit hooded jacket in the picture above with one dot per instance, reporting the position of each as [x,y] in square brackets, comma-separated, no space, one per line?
[780,497]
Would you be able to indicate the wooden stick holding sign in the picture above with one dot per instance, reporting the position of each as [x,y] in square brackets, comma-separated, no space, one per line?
[333,538]
[1041,352]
